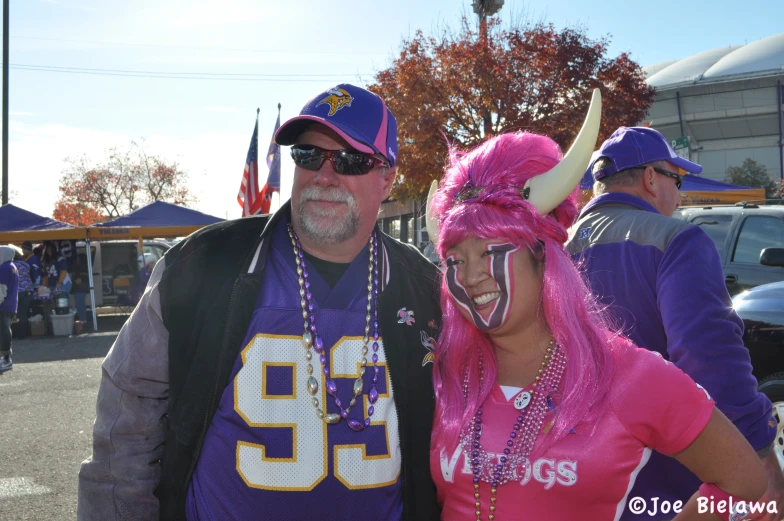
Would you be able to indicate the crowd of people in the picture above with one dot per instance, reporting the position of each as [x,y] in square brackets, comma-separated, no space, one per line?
[304,365]
[24,271]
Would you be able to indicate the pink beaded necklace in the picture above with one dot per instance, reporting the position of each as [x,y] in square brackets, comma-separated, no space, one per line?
[533,408]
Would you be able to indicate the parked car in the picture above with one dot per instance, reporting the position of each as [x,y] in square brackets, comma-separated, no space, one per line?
[749,238]
[762,311]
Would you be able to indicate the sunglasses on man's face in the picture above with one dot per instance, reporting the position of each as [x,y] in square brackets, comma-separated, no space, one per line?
[344,162]
[678,178]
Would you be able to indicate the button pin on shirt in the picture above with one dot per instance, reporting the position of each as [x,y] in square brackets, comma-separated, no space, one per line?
[522,400]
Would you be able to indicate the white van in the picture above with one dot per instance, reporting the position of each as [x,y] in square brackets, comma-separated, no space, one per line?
[116,266]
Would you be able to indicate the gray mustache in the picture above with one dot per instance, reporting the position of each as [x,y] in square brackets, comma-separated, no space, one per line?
[333,196]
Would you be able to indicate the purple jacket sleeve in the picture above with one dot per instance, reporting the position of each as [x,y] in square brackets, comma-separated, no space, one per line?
[705,335]
[117,481]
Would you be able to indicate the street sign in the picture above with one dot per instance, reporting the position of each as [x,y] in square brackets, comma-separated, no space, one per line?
[681,147]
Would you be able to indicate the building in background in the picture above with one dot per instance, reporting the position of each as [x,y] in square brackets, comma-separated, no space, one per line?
[722,106]
[403,221]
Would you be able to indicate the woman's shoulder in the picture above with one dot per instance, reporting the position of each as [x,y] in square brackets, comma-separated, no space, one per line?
[643,377]
[627,353]
[639,370]
[655,400]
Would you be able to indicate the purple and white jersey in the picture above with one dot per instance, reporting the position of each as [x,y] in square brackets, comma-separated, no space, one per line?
[266,455]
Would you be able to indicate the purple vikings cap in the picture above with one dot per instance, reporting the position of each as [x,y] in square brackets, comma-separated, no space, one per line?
[634,146]
[357,115]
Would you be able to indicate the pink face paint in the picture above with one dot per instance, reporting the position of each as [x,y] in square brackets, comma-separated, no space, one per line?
[500,269]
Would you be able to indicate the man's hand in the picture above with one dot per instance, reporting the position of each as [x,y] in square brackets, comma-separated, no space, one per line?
[775,490]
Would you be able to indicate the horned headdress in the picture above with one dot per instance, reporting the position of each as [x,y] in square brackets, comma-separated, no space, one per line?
[548,190]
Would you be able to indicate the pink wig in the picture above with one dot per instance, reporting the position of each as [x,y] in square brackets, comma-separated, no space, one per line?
[573,316]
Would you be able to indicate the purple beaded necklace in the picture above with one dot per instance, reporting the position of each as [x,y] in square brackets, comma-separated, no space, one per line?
[312,340]
[533,408]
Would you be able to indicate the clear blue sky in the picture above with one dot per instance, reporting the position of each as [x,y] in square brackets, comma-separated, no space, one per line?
[295,48]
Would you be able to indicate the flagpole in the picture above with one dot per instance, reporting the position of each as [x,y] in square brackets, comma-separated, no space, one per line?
[5,102]
[278,190]
[257,144]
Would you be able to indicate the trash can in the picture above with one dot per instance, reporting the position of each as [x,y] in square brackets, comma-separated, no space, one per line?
[62,325]
[61,299]
[37,327]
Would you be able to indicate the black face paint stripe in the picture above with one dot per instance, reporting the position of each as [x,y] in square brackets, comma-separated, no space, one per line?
[456,289]
[501,274]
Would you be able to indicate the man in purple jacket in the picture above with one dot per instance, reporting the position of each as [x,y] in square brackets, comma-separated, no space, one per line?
[663,282]
[9,289]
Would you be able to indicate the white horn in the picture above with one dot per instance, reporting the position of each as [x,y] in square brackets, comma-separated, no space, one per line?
[548,190]
[432,224]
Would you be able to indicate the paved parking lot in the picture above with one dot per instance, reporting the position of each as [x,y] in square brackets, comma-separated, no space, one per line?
[47,408]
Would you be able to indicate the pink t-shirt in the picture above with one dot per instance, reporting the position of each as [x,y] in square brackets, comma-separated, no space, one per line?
[653,406]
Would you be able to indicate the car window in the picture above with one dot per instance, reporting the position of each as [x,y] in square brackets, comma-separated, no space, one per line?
[717,226]
[758,233]
[154,249]
[152,253]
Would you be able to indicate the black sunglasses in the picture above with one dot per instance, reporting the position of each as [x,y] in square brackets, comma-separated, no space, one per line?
[344,162]
[678,178]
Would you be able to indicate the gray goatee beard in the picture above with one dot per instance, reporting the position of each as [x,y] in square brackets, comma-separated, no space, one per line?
[327,226]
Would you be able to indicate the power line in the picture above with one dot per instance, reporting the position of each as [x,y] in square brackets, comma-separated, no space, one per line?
[184,75]
[135,71]
[203,48]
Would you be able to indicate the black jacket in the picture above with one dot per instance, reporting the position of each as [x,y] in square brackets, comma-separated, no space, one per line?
[207,299]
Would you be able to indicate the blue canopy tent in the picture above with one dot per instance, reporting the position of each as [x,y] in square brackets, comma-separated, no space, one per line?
[15,219]
[157,219]
[24,225]
[160,214]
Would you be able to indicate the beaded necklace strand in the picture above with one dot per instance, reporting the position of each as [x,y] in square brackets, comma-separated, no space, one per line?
[312,341]
[533,408]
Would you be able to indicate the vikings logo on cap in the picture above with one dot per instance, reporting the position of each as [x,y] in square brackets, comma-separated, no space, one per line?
[337,99]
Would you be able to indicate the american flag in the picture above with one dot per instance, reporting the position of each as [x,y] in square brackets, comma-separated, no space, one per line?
[273,178]
[249,197]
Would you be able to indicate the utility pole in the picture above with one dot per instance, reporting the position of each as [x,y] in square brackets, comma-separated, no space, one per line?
[483,9]
[5,101]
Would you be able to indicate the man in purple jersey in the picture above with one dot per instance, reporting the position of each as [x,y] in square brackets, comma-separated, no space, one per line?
[663,280]
[277,367]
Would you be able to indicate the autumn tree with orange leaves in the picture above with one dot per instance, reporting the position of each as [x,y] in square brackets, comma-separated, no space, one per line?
[473,84]
[93,192]
[78,214]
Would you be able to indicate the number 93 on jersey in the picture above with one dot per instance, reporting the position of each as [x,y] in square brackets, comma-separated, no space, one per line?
[271,398]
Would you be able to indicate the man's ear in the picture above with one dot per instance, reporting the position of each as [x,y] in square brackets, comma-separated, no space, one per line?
[388,180]
[649,181]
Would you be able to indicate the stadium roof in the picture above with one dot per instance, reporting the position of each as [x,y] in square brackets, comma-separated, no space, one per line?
[764,57]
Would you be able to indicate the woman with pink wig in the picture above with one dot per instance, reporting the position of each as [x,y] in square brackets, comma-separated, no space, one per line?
[543,412]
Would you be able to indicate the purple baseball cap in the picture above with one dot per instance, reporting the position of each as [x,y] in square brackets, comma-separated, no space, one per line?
[635,146]
[357,115]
